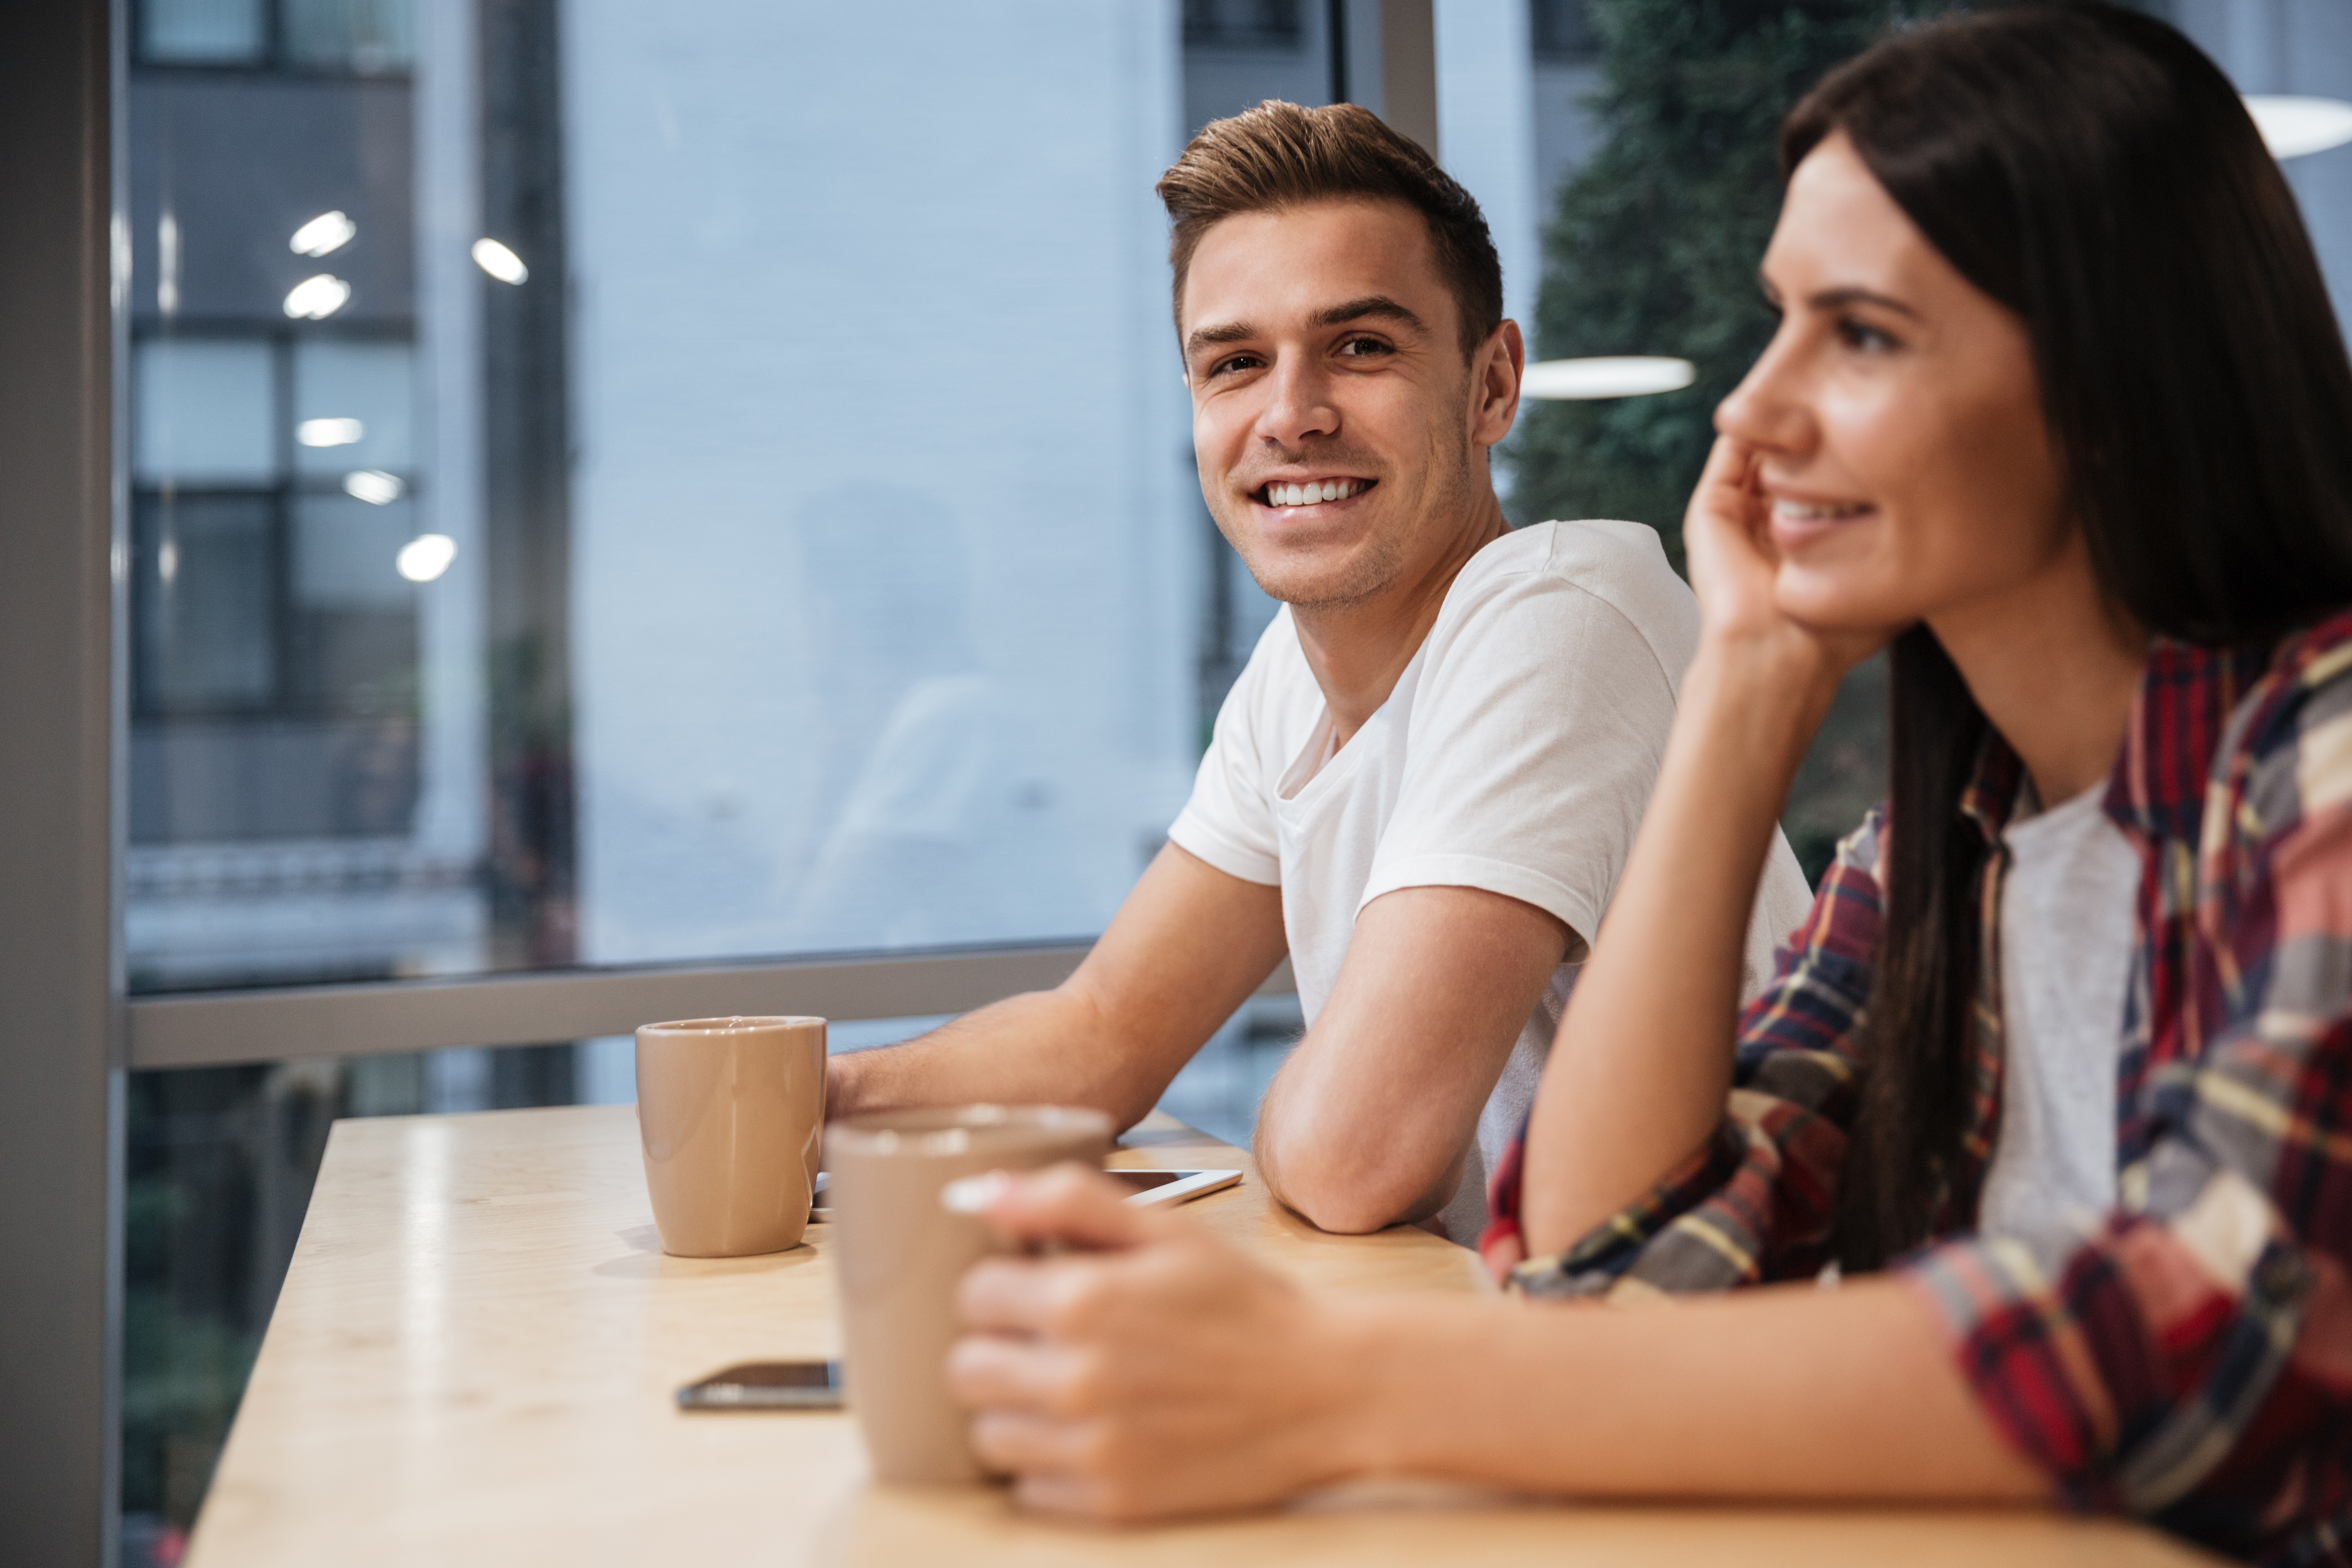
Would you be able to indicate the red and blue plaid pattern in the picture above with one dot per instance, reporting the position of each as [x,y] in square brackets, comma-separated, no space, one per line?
[2190,1359]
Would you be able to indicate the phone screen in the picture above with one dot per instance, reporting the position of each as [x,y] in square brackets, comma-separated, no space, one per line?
[767,1385]
[1144,1180]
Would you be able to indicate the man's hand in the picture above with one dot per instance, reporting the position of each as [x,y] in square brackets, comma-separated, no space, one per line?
[1160,1371]
[1368,1123]
[1185,949]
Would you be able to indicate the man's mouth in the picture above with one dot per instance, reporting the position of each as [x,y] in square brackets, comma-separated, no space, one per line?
[1308,492]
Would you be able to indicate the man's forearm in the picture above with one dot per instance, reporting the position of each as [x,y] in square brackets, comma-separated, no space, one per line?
[1369,1122]
[1042,1048]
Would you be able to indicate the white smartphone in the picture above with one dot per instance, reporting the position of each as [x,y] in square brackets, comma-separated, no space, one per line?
[1173,1186]
[1151,1186]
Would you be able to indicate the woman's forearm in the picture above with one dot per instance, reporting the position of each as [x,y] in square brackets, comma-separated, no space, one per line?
[1638,1074]
[1785,1392]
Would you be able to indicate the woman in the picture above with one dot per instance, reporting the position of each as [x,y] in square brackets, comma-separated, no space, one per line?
[2058,1075]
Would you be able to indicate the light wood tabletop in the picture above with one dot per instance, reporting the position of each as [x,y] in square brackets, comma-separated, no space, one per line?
[474,1357]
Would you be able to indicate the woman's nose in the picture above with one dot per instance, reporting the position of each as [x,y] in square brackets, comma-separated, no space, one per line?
[1766,409]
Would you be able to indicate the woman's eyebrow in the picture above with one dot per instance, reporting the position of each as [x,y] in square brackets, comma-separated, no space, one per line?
[1854,294]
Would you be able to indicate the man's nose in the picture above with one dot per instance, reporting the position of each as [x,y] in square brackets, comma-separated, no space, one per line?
[1299,404]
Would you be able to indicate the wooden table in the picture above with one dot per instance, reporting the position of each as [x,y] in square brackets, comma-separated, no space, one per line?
[473,1359]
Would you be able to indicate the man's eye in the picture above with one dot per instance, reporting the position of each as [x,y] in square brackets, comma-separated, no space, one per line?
[1233,362]
[1365,348]
[1863,338]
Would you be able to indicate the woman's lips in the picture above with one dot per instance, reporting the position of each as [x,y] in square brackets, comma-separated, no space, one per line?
[1796,523]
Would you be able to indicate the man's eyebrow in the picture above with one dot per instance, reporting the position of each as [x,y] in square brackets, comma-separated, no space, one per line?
[1371,305]
[1223,332]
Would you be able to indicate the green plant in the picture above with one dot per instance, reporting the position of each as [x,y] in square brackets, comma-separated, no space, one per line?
[1654,243]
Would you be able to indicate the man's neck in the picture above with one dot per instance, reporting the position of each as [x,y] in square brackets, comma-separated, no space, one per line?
[1359,649]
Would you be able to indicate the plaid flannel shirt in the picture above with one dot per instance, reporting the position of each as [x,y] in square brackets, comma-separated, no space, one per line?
[2190,1358]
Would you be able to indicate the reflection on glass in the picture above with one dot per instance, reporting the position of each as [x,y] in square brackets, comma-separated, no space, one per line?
[499,262]
[374,485]
[316,298]
[323,235]
[426,557]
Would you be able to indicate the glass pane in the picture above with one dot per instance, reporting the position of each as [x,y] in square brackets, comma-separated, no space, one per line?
[202,32]
[354,407]
[350,35]
[204,412]
[206,640]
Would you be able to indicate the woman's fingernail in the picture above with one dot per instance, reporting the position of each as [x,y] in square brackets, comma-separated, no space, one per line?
[973,1194]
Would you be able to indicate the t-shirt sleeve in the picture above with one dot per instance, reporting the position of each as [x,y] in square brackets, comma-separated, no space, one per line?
[1229,820]
[1535,736]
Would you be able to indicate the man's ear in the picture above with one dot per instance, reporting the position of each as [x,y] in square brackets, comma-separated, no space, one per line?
[1500,362]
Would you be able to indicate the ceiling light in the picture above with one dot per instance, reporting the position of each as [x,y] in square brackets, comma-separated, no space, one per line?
[328,432]
[374,485]
[326,233]
[498,262]
[426,556]
[316,299]
[2291,127]
[1622,375]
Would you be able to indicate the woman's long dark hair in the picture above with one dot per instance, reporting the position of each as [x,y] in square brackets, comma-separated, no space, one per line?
[2088,168]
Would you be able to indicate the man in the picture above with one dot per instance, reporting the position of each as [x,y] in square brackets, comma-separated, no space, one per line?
[1424,783]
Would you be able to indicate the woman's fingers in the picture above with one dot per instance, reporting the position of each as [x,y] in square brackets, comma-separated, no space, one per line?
[1068,1204]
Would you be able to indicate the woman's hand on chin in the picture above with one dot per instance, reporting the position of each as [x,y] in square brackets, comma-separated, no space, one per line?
[1733,570]
[1156,1372]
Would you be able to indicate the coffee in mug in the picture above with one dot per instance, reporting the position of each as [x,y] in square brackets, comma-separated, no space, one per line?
[899,1255]
[732,1112]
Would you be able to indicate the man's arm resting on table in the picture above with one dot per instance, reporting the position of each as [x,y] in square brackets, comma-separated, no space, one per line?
[1369,1121]
[1185,949]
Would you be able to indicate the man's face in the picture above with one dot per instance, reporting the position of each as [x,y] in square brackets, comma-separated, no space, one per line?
[1337,428]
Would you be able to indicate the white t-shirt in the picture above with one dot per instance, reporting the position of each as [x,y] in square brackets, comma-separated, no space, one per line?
[1515,754]
[2066,932]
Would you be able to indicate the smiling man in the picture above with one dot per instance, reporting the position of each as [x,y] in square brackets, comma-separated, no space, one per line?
[1425,783]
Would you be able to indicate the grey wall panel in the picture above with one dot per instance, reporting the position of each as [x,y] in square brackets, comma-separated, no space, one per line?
[59,716]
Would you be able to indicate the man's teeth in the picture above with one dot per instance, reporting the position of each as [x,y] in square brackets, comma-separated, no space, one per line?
[1308,495]
[1819,511]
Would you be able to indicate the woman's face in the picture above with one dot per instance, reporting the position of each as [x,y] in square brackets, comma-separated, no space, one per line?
[1905,465]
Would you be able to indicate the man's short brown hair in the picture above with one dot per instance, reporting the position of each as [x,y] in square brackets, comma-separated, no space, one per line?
[1280,155]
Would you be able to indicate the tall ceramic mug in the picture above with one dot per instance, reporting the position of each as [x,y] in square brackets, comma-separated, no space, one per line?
[899,1255]
[731,1111]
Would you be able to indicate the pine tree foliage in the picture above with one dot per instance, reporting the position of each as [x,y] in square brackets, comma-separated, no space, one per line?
[1654,244]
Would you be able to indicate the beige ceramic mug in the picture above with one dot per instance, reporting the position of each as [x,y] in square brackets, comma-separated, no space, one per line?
[731,1111]
[899,1255]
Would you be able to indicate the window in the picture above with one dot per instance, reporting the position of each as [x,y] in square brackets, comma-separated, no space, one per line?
[620,485]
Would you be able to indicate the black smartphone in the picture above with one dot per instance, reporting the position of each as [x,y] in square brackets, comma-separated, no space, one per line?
[767,1385]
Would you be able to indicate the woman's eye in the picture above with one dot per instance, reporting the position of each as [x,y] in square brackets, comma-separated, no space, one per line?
[1862,337]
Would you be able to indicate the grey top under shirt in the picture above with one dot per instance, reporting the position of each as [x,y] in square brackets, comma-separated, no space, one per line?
[2067,930]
